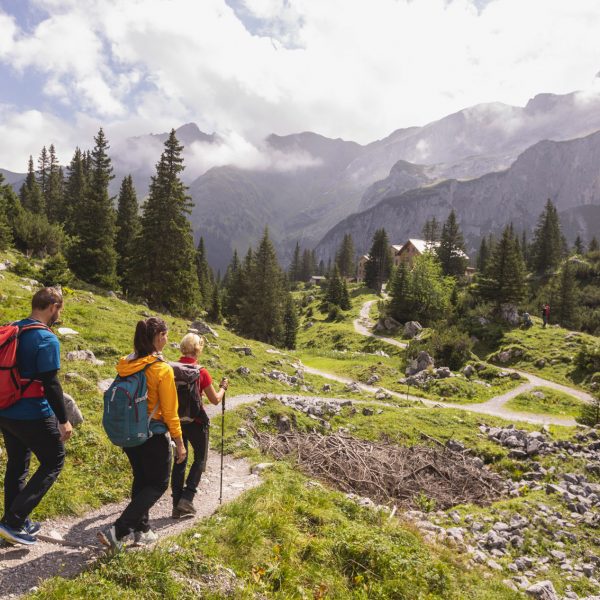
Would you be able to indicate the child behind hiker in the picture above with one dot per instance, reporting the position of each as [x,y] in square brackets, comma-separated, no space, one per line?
[150,461]
[195,431]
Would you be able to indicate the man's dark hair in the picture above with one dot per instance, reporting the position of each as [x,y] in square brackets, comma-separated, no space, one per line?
[143,340]
[43,298]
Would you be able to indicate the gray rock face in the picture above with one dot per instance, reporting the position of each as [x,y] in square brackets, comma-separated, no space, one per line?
[201,328]
[84,355]
[412,329]
[544,590]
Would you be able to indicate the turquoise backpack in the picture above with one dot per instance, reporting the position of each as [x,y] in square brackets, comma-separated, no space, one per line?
[125,417]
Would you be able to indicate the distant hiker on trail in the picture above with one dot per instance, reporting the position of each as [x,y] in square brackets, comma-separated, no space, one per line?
[527,322]
[546,314]
[32,413]
[191,381]
[150,460]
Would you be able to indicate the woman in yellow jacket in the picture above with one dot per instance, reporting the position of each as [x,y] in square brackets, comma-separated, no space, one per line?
[151,461]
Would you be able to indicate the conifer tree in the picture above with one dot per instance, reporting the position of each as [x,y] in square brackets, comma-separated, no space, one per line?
[128,229]
[6,236]
[308,267]
[43,172]
[334,292]
[290,324]
[567,298]
[483,255]
[345,303]
[593,245]
[525,250]
[431,231]
[344,257]
[578,247]
[294,271]
[30,194]
[451,250]
[165,271]
[548,241]
[321,268]
[379,265]
[504,278]
[400,301]
[94,258]
[205,276]
[262,307]
[72,211]
[54,188]
[245,315]
[231,286]
[214,314]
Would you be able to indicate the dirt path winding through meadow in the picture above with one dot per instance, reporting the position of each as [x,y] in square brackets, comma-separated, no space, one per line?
[494,406]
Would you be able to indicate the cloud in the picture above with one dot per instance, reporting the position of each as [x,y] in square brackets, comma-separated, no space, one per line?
[343,68]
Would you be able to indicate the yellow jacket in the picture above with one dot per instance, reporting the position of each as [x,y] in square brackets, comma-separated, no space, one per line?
[161,388]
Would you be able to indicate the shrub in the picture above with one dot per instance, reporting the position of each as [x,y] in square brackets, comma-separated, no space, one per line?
[590,413]
[449,346]
[34,234]
[24,268]
[588,358]
[56,271]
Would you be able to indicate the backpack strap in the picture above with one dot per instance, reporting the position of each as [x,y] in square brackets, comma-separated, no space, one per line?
[155,409]
[23,329]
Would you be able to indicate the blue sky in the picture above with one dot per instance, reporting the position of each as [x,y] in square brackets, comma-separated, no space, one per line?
[247,68]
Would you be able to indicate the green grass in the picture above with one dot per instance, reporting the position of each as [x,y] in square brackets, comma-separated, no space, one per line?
[554,403]
[288,539]
[96,472]
[558,348]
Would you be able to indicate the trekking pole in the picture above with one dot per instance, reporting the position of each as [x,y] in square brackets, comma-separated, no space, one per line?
[222,447]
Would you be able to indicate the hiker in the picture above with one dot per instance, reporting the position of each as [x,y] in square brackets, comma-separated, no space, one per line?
[545,314]
[527,322]
[195,427]
[36,423]
[151,460]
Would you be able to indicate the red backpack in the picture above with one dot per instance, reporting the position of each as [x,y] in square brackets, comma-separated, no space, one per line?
[12,386]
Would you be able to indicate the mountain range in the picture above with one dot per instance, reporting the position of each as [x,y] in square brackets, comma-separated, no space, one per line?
[490,162]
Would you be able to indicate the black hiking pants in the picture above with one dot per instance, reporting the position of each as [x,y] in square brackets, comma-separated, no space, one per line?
[22,438]
[196,435]
[151,465]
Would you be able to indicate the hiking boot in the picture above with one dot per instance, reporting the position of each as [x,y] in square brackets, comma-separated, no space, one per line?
[16,536]
[186,508]
[32,527]
[108,537]
[143,538]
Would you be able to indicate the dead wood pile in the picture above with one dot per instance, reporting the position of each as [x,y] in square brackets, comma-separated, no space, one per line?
[387,473]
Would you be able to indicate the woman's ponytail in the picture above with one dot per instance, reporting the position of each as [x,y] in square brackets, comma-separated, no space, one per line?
[143,340]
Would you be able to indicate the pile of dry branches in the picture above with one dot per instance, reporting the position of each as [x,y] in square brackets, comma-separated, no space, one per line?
[387,473]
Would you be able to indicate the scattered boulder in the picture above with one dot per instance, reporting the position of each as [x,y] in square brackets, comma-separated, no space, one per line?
[260,467]
[74,414]
[442,373]
[544,590]
[326,387]
[387,324]
[509,314]
[201,328]
[540,363]
[368,412]
[84,355]
[422,362]
[373,379]
[468,371]
[412,329]
[67,331]
[246,350]
[244,371]
[104,384]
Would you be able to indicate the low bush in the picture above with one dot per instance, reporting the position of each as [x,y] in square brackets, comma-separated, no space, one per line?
[449,346]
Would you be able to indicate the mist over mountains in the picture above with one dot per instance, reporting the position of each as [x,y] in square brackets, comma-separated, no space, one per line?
[490,162]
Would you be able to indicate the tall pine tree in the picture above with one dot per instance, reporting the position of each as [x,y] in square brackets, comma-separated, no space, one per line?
[400,307]
[379,265]
[72,210]
[205,275]
[95,257]
[548,242]
[451,250]
[290,323]
[165,271]
[30,193]
[344,257]
[128,229]
[54,188]
[295,265]
[6,236]
[566,299]
[431,231]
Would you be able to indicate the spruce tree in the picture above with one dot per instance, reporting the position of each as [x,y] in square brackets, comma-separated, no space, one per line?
[345,303]
[344,257]
[547,248]
[294,271]
[128,229]
[54,188]
[504,278]
[334,291]
[567,298]
[214,313]
[290,324]
[578,247]
[43,173]
[245,314]
[72,211]
[232,291]
[262,307]
[307,265]
[593,245]
[431,231]
[95,259]
[451,250]
[205,276]
[165,271]
[6,236]
[379,265]
[483,255]
[400,307]
[30,193]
